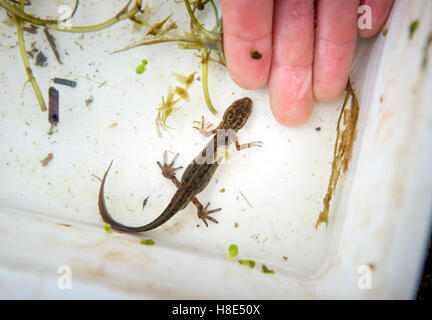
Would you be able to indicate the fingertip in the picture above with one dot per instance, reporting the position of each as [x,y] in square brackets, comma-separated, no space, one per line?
[247,26]
[379,11]
[248,61]
[293,120]
[336,35]
[367,33]
[292,114]
[325,92]
[332,66]
[291,102]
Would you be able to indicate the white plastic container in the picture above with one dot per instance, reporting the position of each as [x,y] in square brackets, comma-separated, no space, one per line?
[374,246]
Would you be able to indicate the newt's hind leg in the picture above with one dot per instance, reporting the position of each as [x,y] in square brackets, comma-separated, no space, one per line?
[168,171]
[203,212]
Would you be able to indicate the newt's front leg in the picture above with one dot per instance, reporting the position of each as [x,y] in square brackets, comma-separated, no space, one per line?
[247,145]
[205,129]
[208,130]
[168,171]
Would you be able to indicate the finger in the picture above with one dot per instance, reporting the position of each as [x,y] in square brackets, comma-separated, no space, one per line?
[334,47]
[380,10]
[290,84]
[247,26]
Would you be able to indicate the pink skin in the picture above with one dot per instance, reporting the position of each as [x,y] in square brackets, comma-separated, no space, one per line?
[249,26]
[299,62]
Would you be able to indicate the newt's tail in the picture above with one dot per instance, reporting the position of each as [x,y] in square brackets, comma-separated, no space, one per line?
[106,216]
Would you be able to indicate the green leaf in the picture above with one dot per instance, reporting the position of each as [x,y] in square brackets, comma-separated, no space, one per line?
[147,242]
[264,269]
[413,28]
[249,263]
[107,228]
[232,251]
[140,69]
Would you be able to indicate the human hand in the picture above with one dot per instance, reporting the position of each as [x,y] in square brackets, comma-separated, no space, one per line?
[299,60]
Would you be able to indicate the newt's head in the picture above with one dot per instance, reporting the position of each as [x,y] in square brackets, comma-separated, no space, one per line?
[237,114]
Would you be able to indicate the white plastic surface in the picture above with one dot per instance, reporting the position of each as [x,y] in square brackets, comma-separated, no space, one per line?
[380,216]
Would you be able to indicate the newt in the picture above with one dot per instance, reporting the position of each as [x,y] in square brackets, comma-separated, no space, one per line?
[197,175]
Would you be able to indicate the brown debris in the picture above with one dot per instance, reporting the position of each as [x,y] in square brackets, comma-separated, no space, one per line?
[31,29]
[426,51]
[51,41]
[247,201]
[41,60]
[346,129]
[89,100]
[47,159]
[53,105]
[255,54]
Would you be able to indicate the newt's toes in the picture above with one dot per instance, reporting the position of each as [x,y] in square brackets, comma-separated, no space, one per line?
[168,170]
[205,129]
[203,214]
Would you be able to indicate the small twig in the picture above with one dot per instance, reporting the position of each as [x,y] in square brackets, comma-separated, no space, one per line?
[47,159]
[204,63]
[247,201]
[65,82]
[53,105]
[145,202]
[155,41]
[56,25]
[95,176]
[51,41]
[19,23]
[102,84]
[196,22]
[32,29]
[26,3]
